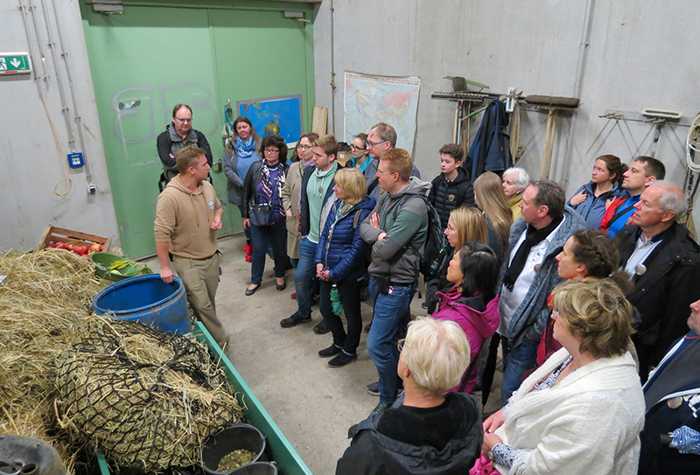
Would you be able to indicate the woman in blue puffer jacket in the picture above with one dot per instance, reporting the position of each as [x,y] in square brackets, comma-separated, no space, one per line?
[341,261]
[592,199]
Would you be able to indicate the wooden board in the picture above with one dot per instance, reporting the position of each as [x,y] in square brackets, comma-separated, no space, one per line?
[319,123]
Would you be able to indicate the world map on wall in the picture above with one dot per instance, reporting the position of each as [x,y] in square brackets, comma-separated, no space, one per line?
[274,116]
[370,99]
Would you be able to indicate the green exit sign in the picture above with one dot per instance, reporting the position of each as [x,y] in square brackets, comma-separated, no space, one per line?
[15,63]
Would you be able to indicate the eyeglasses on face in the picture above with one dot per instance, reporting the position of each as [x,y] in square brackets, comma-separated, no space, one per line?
[355,147]
[374,144]
[183,120]
[272,150]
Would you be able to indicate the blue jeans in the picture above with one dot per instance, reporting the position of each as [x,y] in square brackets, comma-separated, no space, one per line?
[390,310]
[265,237]
[517,361]
[304,274]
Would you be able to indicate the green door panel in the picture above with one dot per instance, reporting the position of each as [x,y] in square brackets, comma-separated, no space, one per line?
[261,54]
[152,57]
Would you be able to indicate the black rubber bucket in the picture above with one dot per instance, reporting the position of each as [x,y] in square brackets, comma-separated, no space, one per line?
[239,436]
[29,456]
[257,468]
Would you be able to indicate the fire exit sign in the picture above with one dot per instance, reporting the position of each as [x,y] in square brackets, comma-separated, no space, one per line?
[15,63]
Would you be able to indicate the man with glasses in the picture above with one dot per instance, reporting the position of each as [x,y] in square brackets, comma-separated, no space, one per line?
[397,230]
[380,139]
[177,135]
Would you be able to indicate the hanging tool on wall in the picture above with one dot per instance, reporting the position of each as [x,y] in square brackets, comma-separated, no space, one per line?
[657,121]
[515,100]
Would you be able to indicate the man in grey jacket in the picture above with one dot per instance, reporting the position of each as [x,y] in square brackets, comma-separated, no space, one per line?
[529,275]
[397,231]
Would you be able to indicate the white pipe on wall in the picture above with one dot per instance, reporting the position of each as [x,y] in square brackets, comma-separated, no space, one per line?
[563,177]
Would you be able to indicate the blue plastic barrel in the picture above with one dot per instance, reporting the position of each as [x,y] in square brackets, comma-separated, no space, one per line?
[149,300]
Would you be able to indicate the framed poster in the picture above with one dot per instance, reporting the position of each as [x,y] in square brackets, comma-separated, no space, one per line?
[274,116]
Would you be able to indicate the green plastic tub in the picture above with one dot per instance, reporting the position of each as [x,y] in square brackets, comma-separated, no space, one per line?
[103,267]
[288,460]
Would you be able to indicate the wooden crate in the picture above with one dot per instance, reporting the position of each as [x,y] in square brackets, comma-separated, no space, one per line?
[54,233]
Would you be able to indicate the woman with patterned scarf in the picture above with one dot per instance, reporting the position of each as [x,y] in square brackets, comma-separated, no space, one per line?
[240,152]
[263,212]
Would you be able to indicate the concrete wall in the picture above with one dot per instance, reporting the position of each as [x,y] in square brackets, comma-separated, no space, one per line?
[37,187]
[640,54]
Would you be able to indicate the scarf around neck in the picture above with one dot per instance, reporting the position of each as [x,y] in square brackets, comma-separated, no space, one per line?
[533,237]
[244,149]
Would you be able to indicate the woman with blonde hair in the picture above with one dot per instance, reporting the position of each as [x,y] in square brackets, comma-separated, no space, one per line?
[340,263]
[582,411]
[427,429]
[489,197]
[464,224]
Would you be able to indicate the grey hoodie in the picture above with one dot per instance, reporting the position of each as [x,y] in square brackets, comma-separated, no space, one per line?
[404,217]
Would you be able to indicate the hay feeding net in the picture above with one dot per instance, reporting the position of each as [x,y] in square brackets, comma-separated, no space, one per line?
[146,398]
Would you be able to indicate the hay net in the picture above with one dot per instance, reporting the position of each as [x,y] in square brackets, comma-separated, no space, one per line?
[147,399]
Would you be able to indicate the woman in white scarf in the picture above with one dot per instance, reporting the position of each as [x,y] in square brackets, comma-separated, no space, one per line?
[582,411]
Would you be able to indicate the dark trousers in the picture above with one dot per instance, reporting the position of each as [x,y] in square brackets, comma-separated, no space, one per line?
[349,291]
[646,362]
[264,237]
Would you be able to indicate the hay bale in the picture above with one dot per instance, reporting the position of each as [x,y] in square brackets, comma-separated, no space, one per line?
[44,302]
[146,398]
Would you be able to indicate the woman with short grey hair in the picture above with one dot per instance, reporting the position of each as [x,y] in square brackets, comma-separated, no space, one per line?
[426,430]
[515,180]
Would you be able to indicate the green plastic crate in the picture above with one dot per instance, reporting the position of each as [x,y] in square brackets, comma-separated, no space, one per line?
[288,460]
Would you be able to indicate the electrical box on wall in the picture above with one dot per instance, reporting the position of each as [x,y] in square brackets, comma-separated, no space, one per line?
[76,160]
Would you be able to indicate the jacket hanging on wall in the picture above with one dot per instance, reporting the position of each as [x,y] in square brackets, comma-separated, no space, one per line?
[490,150]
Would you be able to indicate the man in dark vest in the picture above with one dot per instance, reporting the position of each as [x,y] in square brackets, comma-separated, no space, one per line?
[177,135]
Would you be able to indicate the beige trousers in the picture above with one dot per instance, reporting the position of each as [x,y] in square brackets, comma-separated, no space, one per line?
[201,278]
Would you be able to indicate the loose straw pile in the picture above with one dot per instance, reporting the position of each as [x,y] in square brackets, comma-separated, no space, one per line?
[44,301]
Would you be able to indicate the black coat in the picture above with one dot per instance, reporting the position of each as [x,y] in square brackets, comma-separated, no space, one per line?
[448,195]
[663,292]
[677,381]
[250,184]
[373,453]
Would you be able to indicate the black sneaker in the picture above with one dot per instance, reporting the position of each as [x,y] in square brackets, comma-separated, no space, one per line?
[321,328]
[330,351]
[342,359]
[373,389]
[294,320]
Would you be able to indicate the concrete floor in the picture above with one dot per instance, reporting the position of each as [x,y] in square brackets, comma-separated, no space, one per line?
[312,403]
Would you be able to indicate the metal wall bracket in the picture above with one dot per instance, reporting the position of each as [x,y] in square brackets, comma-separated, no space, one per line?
[107,7]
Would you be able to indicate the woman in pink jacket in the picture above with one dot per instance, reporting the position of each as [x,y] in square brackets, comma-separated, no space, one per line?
[471,302]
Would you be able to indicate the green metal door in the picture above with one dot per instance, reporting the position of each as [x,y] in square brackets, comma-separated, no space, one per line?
[150,58]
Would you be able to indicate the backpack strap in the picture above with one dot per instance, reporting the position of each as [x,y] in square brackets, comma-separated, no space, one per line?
[356,218]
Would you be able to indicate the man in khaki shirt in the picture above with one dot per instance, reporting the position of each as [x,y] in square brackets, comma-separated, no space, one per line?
[188,214]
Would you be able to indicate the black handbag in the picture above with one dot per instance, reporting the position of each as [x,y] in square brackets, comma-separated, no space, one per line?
[260,214]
